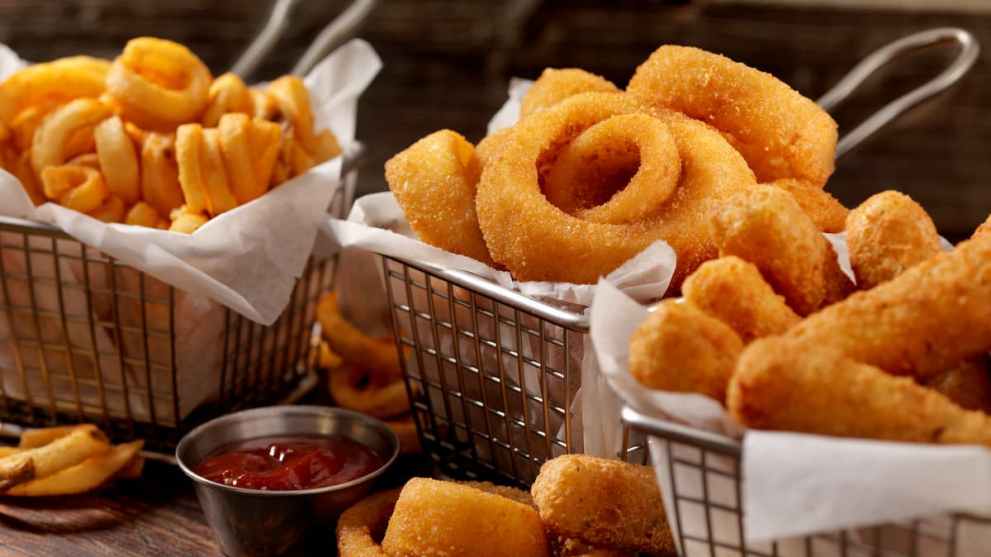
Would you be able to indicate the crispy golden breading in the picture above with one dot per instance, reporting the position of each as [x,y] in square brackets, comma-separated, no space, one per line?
[923,322]
[359,527]
[434,181]
[784,384]
[967,384]
[888,234]
[604,503]
[553,86]
[766,226]
[732,290]
[679,348]
[434,518]
[828,214]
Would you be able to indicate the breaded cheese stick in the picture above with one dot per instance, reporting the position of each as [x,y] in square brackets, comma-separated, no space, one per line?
[604,503]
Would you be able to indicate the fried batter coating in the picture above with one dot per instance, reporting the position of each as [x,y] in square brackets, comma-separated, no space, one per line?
[781,384]
[537,241]
[921,323]
[434,181]
[360,526]
[780,133]
[604,503]
[828,214]
[434,518]
[887,234]
[553,86]
[968,384]
[679,348]
[732,290]
[766,226]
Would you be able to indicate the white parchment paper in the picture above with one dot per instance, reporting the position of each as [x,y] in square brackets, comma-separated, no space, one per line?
[247,259]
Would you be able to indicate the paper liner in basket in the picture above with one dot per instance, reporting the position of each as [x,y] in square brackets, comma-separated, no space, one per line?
[247,259]
[796,484]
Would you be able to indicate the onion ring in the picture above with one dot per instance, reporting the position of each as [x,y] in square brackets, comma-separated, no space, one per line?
[780,133]
[293,102]
[185,221]
[363,523]
[227,94]
[378,356]
[158,84]
[597,163]
[553,86]
[75,187]
[434,181]
[143,214]
[521,227]
[887,234]
[474,523]
[45,86]
[218,194]
[235,145]
[159,173]
[49,144]
[118,159]
[112,210]
[351,388]
[828,214]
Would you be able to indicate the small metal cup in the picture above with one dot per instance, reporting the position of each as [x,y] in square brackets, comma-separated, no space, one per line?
[250,522]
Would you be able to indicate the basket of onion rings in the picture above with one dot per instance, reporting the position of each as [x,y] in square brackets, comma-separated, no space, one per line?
[160,246]
[491,251]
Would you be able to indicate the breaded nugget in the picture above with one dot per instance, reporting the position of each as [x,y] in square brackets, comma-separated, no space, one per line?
[732,290]
[680,348]
[923,322]
[782,384]
[766,226]
[887,234]
[434,518]
[968,384]
[604,503]
[828,214]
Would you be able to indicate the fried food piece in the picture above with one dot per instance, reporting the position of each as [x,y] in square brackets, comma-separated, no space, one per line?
[591,177]
[380,358]
[293,101]
[444,519]
[46,460]
[79,188]
[118,160]
[185,221]
[887,234]
[513,493]
[732,290]
[45,86]
[359,527]
[21,168]
[351,387]
[828,214]
[553,86]
[605,503]
[50,146]
[85,476]
[405,430]
[968,384]
[159,173]
[766,226]
[781,384]
[227,94]
[266,141]
[537,241]
[838,284]
[34,438]
[681,349]
[235,146]
[921,323]
[434,181]
[143,214]
[778,131]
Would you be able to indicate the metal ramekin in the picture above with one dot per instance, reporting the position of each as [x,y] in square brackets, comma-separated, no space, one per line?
[250,522]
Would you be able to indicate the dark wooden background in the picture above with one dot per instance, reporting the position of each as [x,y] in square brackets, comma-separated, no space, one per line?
[447,63]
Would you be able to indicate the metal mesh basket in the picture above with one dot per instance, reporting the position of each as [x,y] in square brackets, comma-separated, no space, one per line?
[86,338]
[700,472]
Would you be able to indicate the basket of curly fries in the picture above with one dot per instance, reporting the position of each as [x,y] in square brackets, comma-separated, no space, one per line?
[156,230]
[491,251]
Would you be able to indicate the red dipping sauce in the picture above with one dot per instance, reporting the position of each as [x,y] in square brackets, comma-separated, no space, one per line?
[289,463]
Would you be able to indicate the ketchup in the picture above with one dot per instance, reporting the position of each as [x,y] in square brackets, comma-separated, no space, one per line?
[289,463]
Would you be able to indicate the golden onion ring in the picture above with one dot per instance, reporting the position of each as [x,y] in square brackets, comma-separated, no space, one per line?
[554,85]
[228,94]
[118,160]
[351,388]
[49,147]
[159,84]
[362,524]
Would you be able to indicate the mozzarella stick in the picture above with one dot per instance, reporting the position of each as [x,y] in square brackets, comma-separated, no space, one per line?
[921,323]
[783,385]
[886,235]
[732,290]
[603,503]
[679,348]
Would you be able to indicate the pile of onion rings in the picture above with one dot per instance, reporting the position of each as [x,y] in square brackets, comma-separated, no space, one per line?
[591,175]
[151,138]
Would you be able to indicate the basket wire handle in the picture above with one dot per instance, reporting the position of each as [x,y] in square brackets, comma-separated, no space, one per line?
[969,50]
[344,26]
